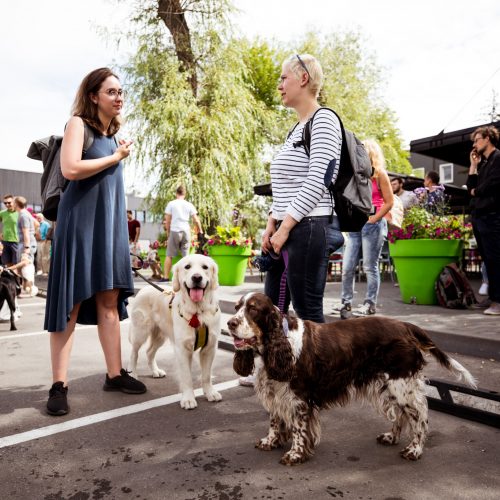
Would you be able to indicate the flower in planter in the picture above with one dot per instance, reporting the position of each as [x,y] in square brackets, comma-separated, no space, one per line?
[419,223]
[230,236]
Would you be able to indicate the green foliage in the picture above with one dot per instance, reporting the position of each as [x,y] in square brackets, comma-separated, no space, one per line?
[216,143]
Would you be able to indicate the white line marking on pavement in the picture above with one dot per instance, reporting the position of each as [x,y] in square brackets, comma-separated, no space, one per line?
[102,417]
[31,304]
[44,332]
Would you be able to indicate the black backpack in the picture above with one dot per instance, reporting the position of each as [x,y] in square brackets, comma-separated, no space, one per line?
[352,191]
[453,289]
[53,183]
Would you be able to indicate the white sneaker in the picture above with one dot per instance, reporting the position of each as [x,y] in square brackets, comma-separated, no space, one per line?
[483,289]
[365,310]
[493,310]
[247,381]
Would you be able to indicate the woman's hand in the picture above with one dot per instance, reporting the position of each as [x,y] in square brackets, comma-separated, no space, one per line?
[123,149]
[279,239]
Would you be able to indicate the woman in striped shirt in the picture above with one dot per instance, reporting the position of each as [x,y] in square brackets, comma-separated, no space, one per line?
[302,225]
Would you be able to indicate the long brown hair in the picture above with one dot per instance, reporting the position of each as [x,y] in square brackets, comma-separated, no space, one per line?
[85,108]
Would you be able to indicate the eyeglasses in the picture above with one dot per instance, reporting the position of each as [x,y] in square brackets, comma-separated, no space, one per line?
[303,65]
[7,203]
[113,93]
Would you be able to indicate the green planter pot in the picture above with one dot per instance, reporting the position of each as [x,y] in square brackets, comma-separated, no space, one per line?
[418,264]
[232,263]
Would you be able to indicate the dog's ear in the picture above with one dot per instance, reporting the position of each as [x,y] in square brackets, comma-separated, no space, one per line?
[243,363]
[278,354]
[176,284]
[214,278]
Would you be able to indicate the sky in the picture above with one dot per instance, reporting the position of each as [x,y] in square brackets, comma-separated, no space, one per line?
[440,59]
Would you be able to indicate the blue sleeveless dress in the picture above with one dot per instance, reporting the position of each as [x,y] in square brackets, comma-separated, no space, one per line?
[90,251]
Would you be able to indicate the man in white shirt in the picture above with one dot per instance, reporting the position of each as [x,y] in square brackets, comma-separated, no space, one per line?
[409,198]
[177,217]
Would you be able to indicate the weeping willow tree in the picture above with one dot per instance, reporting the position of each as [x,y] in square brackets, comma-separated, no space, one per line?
[206,113]
[199,117]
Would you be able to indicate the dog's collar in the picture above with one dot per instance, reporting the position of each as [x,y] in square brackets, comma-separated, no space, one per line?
[201,330]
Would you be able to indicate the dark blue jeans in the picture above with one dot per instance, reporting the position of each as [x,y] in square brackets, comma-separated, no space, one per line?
[487,233]
[309,246]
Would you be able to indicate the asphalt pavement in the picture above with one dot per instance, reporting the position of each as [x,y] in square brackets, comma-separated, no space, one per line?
[113,445]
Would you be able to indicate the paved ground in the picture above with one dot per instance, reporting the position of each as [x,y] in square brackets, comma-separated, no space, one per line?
[147,447]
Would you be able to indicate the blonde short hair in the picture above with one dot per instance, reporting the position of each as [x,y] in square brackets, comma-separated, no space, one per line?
[376,155]
[313,69]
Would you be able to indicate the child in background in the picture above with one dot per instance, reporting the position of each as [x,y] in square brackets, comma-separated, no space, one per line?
[154,261]
[26,269]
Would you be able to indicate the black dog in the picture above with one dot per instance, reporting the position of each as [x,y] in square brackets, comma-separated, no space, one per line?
[10,287]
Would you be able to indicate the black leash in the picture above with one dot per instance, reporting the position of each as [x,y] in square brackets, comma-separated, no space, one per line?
[136,272]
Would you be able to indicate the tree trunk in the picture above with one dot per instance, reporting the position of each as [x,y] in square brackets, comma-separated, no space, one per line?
[172,14]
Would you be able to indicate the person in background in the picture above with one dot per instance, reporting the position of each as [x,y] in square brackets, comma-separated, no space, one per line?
[43,252]
[10,237]
[431,196]
[408,198]
[26,228]
[25,268]
[90,276]
[178,214]
[483,184]
[369,240]
[134,229]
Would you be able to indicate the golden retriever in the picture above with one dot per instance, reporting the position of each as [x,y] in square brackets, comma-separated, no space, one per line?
[189,317]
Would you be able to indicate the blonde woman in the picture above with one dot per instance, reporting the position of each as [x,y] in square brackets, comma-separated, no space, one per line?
[302,225]
[369,240]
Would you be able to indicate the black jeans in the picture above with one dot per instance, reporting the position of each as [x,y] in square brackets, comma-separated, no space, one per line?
[309,246]
[487,233]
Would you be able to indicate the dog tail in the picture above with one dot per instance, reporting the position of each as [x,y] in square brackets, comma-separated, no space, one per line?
[426,344]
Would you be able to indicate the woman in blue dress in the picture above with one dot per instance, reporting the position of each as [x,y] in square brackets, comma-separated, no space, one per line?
[90,277]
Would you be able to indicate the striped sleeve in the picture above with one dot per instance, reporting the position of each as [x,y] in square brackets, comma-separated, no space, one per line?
[326,143]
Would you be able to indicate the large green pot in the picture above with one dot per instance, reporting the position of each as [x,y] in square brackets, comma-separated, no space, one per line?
[232,263]
[418,264]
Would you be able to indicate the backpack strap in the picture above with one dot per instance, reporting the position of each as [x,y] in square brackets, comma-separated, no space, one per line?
[307,131]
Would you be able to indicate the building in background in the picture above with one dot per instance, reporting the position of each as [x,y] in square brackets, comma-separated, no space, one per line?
[27,184]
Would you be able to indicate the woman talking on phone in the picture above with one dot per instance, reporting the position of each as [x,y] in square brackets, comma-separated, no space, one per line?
[90,275]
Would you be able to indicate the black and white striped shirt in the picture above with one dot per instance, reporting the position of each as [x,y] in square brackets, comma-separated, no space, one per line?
[298,181]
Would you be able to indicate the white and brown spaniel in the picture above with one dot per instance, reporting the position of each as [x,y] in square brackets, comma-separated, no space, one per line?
[310,366]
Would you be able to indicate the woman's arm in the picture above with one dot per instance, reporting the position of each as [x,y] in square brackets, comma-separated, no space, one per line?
[387,195]
[72,166]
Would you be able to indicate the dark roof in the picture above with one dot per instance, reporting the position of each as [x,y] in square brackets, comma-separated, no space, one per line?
[453,147]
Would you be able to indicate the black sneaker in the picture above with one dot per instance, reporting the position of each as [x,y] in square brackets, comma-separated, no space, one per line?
[57,405]
[346,311]
[125,383]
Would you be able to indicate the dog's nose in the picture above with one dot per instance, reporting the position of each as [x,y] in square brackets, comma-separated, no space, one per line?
[196,278]
[233,323]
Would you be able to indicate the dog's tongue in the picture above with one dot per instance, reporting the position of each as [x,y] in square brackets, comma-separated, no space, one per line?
[196,294]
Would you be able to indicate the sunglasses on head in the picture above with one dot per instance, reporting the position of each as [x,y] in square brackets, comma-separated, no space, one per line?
[303,65]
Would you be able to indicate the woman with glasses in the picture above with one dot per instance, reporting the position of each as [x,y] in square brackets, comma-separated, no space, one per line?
[90,275]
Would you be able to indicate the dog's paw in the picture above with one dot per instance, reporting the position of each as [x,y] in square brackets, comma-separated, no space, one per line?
[188,401]
[159,373]
[213,395]
[387,438]
[293,458]
[411,452]
[265,444]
